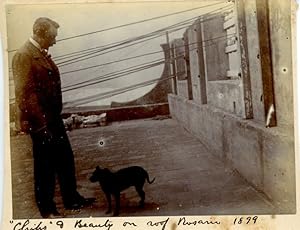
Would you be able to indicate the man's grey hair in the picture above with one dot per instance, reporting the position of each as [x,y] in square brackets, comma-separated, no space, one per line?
[42,25]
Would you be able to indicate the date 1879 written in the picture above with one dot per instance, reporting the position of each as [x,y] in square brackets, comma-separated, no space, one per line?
[245,220]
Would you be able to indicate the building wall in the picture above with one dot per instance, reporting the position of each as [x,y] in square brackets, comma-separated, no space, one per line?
[265,157]
[182,89]
[226,95]
[194,63]
[247,98]
[224,87]
[214,37]
[281,42]
[180,68]
[254,61]
[232,48]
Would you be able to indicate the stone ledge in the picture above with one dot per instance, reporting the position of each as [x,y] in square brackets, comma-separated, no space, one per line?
[124,113]
[265,157]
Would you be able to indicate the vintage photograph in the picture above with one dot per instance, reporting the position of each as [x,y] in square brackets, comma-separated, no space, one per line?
[151,108]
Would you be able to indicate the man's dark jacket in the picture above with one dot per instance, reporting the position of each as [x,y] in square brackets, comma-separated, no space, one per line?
[37,88]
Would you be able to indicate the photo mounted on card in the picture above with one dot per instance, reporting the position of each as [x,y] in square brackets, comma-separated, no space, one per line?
[173,112]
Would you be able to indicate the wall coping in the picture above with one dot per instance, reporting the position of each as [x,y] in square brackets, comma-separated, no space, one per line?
[283,132]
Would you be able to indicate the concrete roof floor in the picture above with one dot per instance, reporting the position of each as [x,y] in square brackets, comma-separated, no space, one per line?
[190,180]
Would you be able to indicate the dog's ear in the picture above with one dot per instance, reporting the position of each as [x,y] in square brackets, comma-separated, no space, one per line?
[98,168]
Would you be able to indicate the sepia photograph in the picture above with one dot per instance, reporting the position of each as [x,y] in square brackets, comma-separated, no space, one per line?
[140,109]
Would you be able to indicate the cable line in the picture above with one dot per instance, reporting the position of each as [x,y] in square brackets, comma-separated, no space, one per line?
[115,92]
[128,24]
[98,48]
[142,55]
[74,60]
[112,62]
[112,77]
[138,22]
[114,45]
[96,53]
[128,58]
[87,56]
[118,71]
[126,40]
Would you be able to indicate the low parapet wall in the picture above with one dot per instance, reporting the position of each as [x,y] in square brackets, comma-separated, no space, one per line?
[264,157]
[123,113]
[159,111]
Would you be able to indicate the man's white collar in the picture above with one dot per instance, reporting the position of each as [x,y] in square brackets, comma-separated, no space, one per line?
[36,44]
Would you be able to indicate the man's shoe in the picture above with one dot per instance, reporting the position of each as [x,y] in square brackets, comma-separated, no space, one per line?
[74,206]
[84,202]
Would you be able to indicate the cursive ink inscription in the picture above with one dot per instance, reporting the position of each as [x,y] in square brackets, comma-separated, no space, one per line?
[159,223]
[80,224]
[129,223]
[28,226]
[183,221]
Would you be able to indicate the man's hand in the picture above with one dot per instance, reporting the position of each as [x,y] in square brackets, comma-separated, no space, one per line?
[24,127]
[46,135]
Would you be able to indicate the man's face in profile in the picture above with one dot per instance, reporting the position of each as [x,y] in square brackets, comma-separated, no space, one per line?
[50,38]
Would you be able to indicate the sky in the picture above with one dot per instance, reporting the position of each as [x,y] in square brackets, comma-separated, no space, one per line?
[76,19]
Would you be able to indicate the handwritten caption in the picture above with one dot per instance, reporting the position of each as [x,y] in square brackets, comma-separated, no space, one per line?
[109,224]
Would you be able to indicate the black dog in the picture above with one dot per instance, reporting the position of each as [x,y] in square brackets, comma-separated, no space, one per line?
[114,183]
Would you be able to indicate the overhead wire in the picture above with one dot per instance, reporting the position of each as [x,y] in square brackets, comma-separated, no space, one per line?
[142,21]
[71,71]
[128,24]
[126,88]
[96,53]
[112,62]
[125,73]
[115,92]
[110,76]
[100,77]
[133,57]
[95,50]
[213,12]
[120,42]
[125,59]
[85,57]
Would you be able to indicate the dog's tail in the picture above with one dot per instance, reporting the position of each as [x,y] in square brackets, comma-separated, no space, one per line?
[147,177]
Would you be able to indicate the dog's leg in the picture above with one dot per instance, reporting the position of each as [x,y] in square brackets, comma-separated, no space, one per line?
[108,198]
[141,193]
[117,207]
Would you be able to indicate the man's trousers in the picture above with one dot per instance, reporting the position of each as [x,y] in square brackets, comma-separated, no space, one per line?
[51,158]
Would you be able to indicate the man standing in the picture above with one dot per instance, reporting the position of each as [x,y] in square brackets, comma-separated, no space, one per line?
[39,99]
